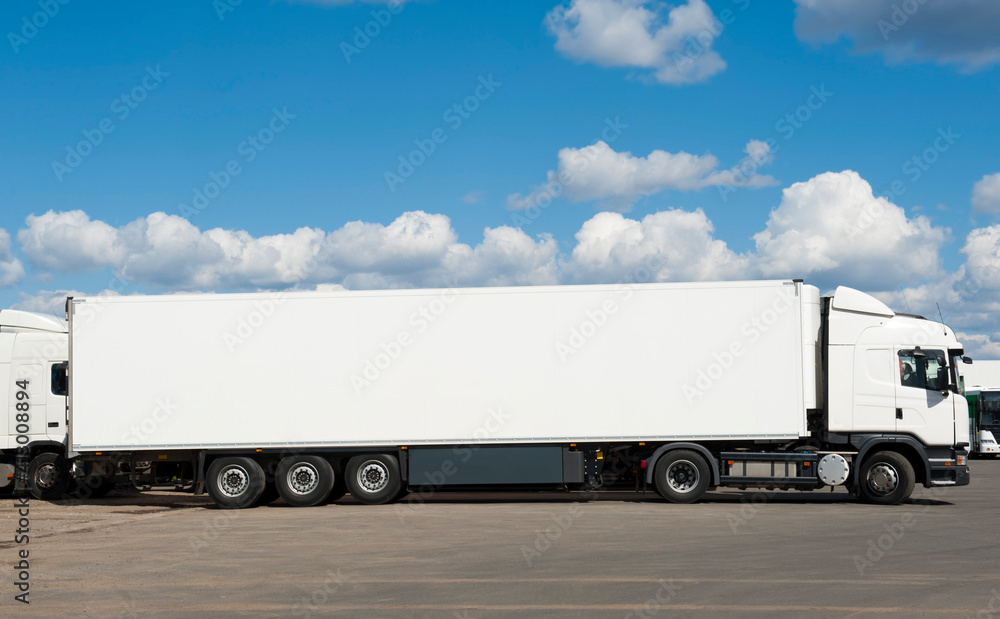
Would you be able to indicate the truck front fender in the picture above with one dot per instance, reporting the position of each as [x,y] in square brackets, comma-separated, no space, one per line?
[712,460]
[868,443]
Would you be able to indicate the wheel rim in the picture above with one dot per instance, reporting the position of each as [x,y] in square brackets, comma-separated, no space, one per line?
[373,476]
[47,476]
[682,476]
[234,481]
[883,478]
[303,478]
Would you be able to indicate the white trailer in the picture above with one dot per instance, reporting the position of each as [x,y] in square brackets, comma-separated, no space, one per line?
[684,387]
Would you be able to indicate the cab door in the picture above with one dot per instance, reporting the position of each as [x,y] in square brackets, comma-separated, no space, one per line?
[924,406]
[56,400]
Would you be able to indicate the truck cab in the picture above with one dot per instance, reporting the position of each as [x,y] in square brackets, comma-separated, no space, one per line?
[33,361]
[893,379]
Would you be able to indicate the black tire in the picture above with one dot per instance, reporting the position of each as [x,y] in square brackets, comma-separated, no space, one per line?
[304,481]
[373,479]
[94,486]
[339,483]
[886,478]
[48,477]
[269,495]
[682,476]
[235,482]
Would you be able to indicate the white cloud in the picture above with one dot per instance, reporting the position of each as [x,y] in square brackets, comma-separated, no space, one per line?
[52,302]
[11,269]
[986,193]
[958,32]
[979,346]
[669,245]
[833,225]
[598,172]
[169,252]
[633,33]
[69,242]
[829,229]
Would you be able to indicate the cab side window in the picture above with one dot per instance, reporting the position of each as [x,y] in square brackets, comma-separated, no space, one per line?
[924,369]
[59,379]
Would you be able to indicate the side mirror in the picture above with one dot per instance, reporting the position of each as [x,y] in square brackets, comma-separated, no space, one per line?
[967,360]
[919,354]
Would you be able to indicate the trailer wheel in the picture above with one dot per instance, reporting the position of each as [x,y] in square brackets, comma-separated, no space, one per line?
[373,479]
[48,477]
[304,481]
[235,483]
[269,495]
[339,483]
[682,476]
[886,478]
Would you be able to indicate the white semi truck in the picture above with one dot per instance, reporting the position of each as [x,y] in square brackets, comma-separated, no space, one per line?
[679,388]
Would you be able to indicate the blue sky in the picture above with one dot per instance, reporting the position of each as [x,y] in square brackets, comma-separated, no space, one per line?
[664,127]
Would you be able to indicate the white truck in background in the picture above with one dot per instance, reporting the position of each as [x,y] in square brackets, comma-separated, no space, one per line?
[683,387]
[981,385]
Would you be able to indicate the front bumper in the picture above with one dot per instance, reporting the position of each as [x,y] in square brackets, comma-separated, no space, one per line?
[948,473]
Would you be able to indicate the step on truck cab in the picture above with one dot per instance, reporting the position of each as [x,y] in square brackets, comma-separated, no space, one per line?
[677,388]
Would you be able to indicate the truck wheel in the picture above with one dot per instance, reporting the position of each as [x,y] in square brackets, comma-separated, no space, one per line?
[886,478]
[682,476]
[269,495]
[235,483]
[373,479]
[339,483]
[304,481]
[94,486]
[48,477]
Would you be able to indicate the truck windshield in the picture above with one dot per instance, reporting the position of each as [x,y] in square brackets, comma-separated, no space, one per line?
[990,411]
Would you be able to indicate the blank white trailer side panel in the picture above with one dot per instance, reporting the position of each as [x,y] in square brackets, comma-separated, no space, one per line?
[532,364]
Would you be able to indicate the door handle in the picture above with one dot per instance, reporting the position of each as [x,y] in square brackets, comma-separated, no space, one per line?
[899,413]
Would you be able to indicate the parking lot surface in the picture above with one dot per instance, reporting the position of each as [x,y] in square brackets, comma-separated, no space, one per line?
[516,554]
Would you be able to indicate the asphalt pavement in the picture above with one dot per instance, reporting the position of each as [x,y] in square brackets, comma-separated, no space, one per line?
[734,554]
